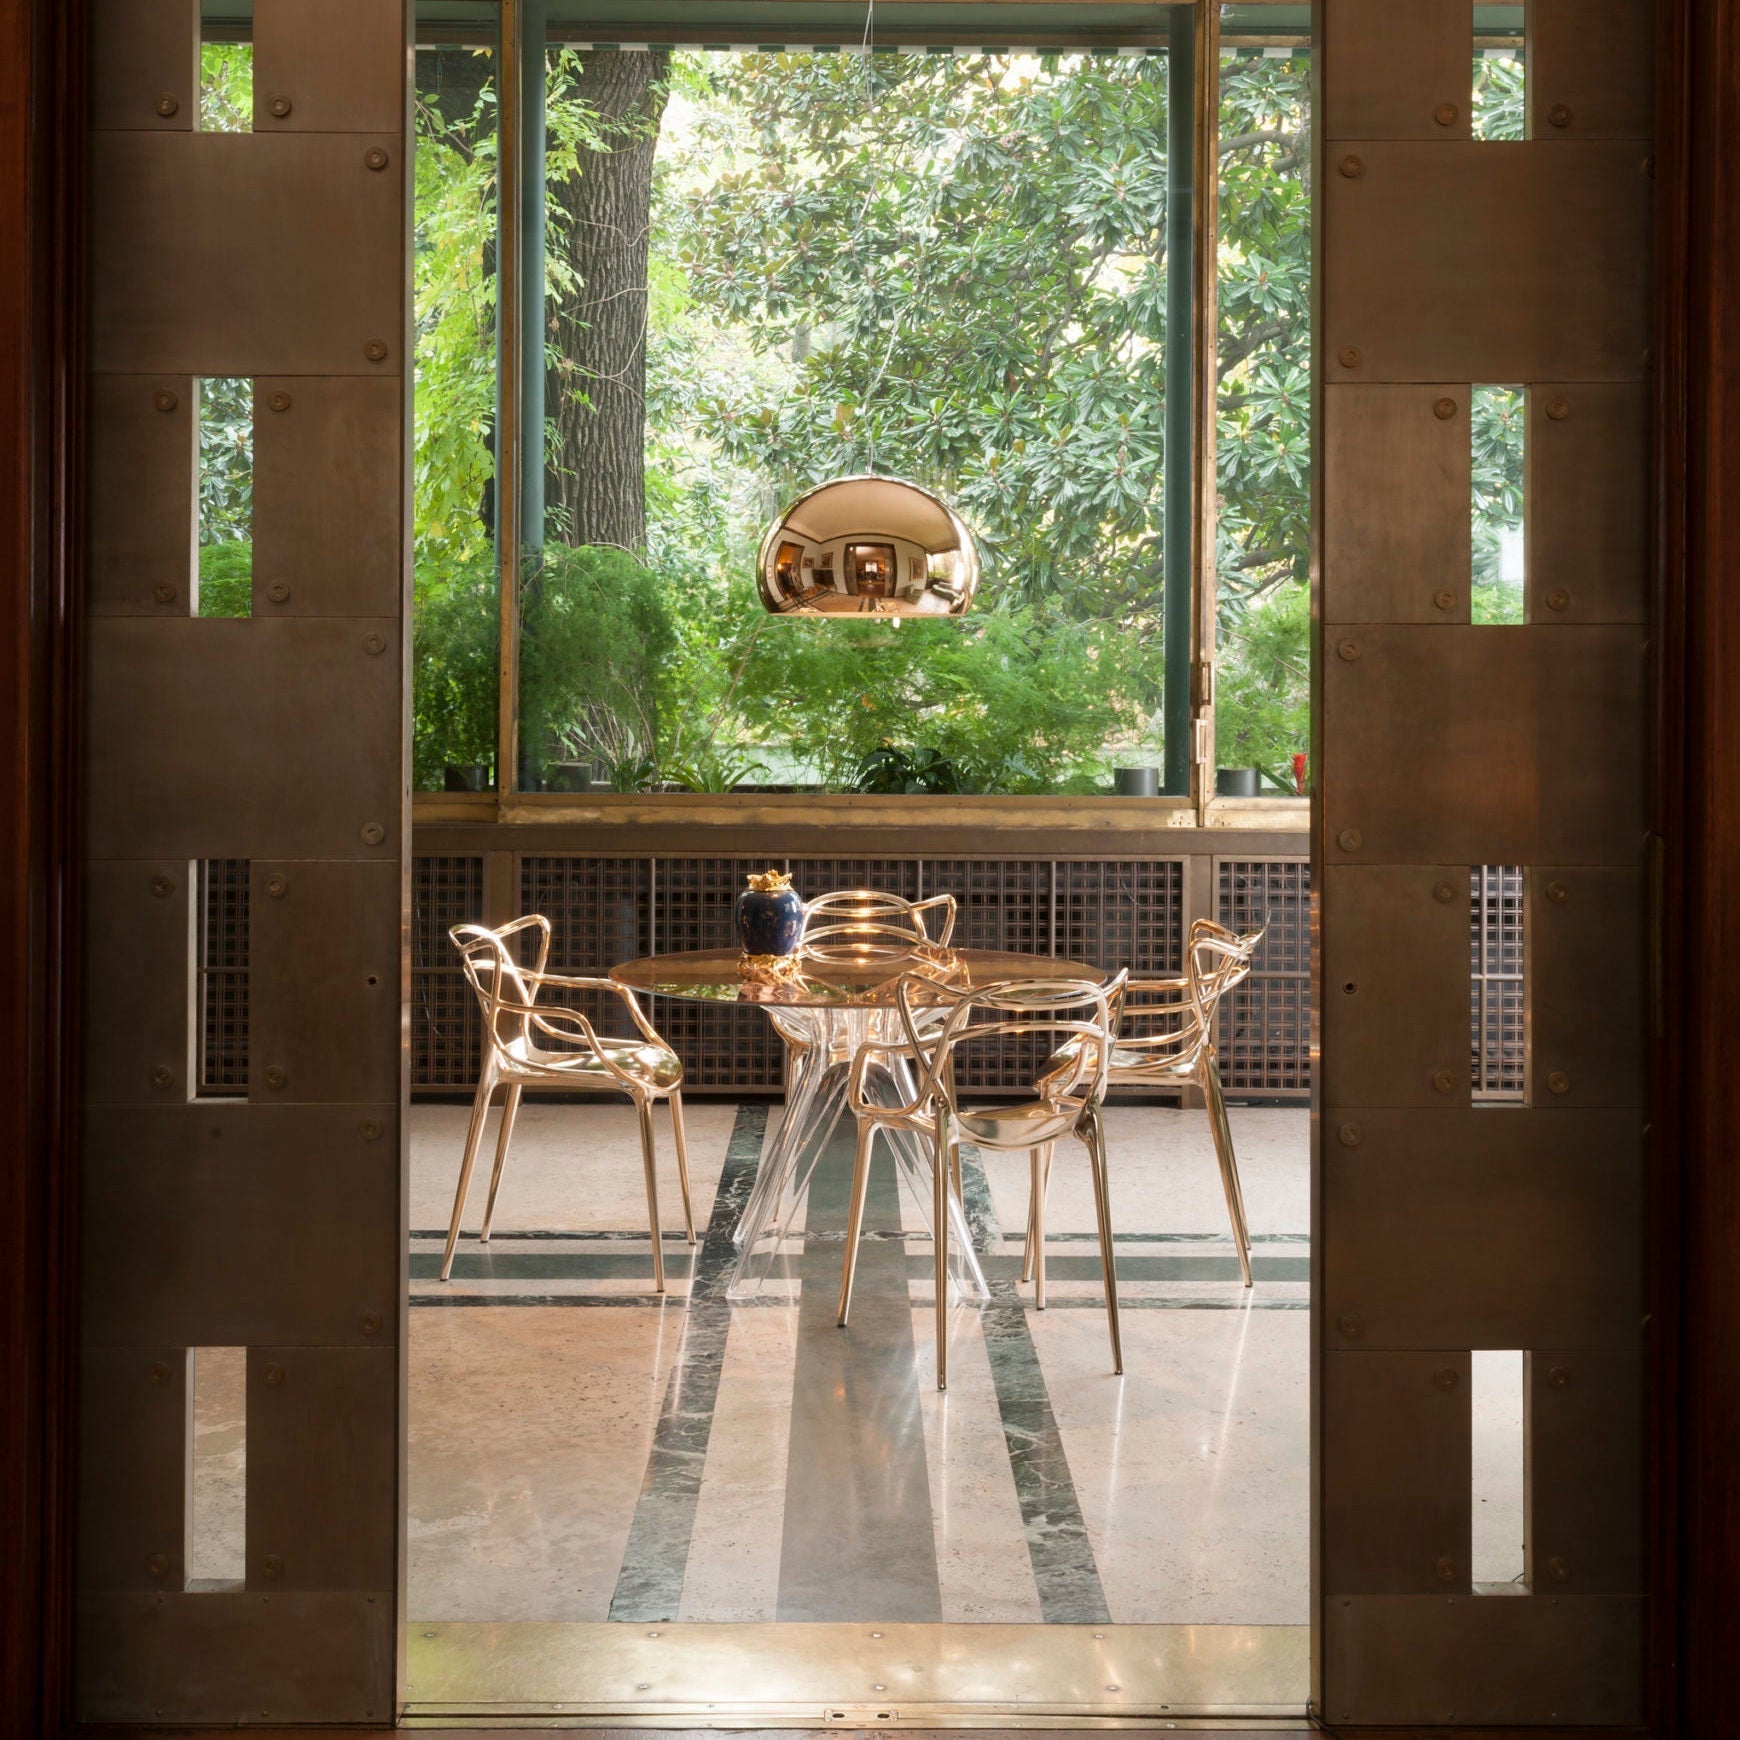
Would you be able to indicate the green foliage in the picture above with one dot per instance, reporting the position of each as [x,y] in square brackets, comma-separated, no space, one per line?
[226,87]
[1497,420]
[1263,687]
[455,641]
[226,459]
[226,579]
[1497,111]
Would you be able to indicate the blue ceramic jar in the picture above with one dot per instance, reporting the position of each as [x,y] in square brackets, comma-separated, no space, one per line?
[770,915]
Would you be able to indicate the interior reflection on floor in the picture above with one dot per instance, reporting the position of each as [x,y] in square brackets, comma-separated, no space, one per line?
[581,1450]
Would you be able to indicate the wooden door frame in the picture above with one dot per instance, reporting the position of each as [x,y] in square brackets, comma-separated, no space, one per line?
[1695,1523]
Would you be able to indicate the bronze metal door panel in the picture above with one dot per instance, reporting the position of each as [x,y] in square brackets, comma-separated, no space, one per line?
[144,65]
[1396,535]
[324,449]
[322,1465]
[1585,1492]
[1396,964]
[142,465]
[1397,1496]
[1475,1659]
[1587,991]
[1486,1227]
[324,958]
[135,1414]
[246,254]
[237,1225]
[1588,502]
[199,743]
[249,1657]
[1396,72]
[1485,261]
[1591,69]
[302,86]
[1485,745]
[138,924]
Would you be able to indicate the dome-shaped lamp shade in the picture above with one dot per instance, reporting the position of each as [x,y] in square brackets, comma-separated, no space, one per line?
[868,546]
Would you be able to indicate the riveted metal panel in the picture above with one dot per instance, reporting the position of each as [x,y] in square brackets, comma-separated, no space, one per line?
[1485,745]
[1486,261]
[323,450]
[141,508]
[199,742]
[248,1657]
[245,254]
[1396,481]
[1591,68]
[1585,1472]
[231,1225]
[135,1415]
[1588,502]
[138,981]
[1395,1021]
[324,956]
[296,70]
[1586,976]
[1492,1226]
[1397,1472]
[144,61]
[1476,1659]
[1396,71]
[322,1456]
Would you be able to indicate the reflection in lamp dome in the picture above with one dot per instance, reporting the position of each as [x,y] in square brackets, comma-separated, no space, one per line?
[868,547]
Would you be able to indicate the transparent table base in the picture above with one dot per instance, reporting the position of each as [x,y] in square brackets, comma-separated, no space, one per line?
[824,1044]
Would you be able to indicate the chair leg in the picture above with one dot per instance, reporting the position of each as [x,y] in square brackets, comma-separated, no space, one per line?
[855,1218]
[479,1110]
[644,1109]
[955,1175]
[1221,1129]
[1041,1172]
[1103,1213]
[940,1167]
[509,1111]
[682,1160]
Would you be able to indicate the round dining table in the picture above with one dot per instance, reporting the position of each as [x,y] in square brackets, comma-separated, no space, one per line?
[827,1004]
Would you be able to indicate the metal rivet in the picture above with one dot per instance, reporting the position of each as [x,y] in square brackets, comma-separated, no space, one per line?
[1443,1081]
[1558,893]
[1347,649]
[1352,1327]
[371,1129]
[1444,1377]
[273,1566]
[1353,167]
[1558,410]
[274,1374]
[275,1076]
[376,159]
[375,350]
[370,1323]
[1558,115]
[1349,988]
[1350,839]
[1445,114]
[1558,1378]
[168,104]
[1349,356]
[157,1565]
[164,594]
[278,592]
[1444,892]
[1558,1082]
[1558,598]
[1558,1569]
[161,886]
[280,107]
[374,644]
[165,401]
[1351,1135]
[159,1373]
[163,1076]
[373,833]
[1444,409]
[1446,1571]
[279,401]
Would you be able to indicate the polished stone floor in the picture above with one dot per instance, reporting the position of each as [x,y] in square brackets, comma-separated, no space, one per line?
[583,1451]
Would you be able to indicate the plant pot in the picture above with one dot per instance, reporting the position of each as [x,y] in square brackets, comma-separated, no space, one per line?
[1236,782]
[568,776]
[472,776]
[1136,781]
[769,917]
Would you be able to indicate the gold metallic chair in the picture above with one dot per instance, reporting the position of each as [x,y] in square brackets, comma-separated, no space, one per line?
[867,924]
[533,1044]
[1066,1103]
[1172,1045]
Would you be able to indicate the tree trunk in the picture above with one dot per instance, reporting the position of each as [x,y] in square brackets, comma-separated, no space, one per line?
[596,381]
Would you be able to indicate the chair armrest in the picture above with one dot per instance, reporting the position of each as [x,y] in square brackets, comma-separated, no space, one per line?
[582,982]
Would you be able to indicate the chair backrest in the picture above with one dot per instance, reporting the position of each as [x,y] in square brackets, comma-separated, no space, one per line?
[867,924]
[1217,959]
[504,986]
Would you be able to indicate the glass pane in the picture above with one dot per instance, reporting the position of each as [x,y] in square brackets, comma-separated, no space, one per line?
[1496,108]
[226,67]
[456,616]
[1263,423]
[1497,429]
[769,269]
[226,497]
